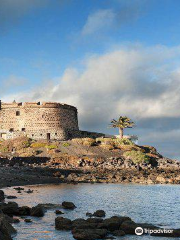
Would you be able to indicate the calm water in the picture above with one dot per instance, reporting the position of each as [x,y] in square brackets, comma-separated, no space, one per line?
[156,204]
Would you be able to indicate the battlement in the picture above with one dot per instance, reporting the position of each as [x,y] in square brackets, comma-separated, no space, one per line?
[36,105]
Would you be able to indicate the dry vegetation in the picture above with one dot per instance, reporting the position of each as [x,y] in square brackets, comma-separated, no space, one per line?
[99,147]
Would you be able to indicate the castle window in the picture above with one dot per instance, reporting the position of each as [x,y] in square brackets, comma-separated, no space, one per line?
[23,129]
[32,135]
[17,113]
[11,129]
[41,134]
[55,134]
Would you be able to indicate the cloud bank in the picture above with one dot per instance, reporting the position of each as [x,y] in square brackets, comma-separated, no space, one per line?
[141,82]
[113,18]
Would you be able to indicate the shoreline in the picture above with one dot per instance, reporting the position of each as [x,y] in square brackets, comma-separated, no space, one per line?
[11,177]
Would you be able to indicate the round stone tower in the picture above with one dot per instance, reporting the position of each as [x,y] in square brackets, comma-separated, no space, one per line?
[38,121]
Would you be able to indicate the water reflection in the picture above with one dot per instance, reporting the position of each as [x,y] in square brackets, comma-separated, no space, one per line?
[157,204]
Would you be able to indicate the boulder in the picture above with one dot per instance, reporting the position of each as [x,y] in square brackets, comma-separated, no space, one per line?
[11,197]
[28,220]
[11,208]
[49,205]
[37,211]
[2,197]
[129,227]
[99,213]
[6,229]
[68,205]
[24,211]
[119,233]
[63,223]
[89,234]
[58,212]
[113,223]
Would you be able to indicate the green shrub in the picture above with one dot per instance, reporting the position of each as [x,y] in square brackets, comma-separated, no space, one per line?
[38,145]
[52,146]
[137,156]
[3,149]
[123,141]
[66,144]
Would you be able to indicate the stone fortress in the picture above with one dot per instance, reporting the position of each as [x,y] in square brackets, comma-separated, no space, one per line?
[49,120]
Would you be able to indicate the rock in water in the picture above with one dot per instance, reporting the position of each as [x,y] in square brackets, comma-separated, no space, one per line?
[89,234]
[99,213]
[68,205]
[37,211]
[63,223]
[6,229]
[2,197]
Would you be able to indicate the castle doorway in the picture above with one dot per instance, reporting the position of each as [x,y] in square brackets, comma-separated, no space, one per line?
[48,136]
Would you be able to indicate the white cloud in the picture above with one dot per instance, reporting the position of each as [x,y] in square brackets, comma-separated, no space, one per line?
[141,82]
[122,78]
[100,19]
[11,82]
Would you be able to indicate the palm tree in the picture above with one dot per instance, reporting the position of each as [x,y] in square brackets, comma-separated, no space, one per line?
[121,123]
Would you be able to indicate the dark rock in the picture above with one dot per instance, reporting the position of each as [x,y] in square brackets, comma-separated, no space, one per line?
[94,220]
[49,205]
[6,229]
[11,197]
[68,205]
[78,222]
[16,220]
[11,208]
[119,233]
[29,191]
[28,220]
[84,224]
[129,227]
[99,213]
[19,189]
[113,223]
[63,223]
[2,197]
[37,211]
[89,234]
[89,214]
[24,211]
[58,212]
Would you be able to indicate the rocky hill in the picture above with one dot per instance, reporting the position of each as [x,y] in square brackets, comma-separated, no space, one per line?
[87,160]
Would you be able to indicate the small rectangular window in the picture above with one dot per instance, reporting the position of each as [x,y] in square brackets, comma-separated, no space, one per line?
[23,129]
[11,129]
[17,113]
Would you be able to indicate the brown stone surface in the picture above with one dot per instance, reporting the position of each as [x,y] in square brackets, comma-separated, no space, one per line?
[38,121]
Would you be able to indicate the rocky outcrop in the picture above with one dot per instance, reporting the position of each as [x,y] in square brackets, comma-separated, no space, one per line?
[63,223]
[98,228]
[68,205]
[37,211]
[2,197]
[6,229]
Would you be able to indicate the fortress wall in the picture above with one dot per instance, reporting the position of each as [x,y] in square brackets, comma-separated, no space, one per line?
[37,120]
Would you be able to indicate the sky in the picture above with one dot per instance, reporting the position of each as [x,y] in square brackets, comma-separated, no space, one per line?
[106,57]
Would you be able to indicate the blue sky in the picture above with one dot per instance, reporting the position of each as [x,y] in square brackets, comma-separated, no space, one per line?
[107,57]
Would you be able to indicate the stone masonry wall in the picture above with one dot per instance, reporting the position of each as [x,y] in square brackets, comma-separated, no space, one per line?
[38,121]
